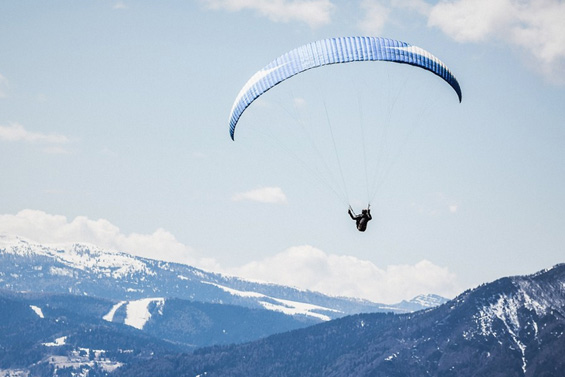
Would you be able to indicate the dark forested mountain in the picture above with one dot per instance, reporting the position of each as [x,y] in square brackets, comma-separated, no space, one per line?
[185,323]
[46,333]
[512,327]
[81,269]
[68,337]
[198,324]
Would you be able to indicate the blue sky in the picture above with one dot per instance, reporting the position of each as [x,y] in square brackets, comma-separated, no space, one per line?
[114,131]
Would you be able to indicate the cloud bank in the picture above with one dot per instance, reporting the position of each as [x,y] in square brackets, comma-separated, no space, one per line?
[315,13]
[535,26]
[375,17]
[304,266]
[310,268]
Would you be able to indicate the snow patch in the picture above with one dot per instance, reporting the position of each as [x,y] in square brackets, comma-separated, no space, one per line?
[297,308]
[57,343]
[235,292]
[284,306]
[37,311]
[110,316]
[138,311]
[14,373]
[57,271]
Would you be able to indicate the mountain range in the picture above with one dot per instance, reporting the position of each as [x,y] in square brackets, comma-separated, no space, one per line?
[86,270]
[512,327]
[77,308]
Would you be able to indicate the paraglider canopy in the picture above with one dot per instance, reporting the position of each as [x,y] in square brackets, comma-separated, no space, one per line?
[334,51]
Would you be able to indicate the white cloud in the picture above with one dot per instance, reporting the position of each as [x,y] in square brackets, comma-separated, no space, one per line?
[56,229]
[3,87]
[16,132]
[299,102]
[535,26]
[472,20]
[310,268]
[377,13]
[419,6]
[272,195]
[375,16]
[51,143]
[313,12]
[120,5]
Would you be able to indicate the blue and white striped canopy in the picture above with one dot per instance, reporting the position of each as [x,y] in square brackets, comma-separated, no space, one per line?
[333,51]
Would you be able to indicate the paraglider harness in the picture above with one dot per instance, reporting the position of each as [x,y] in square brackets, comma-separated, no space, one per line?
[362,219]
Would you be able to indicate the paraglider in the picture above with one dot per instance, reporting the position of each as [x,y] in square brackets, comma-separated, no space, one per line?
[362,219]
[336,51]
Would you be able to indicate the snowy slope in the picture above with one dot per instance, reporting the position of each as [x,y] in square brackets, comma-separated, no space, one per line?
[82,269]
[138,312]
[284,306]
[520,310]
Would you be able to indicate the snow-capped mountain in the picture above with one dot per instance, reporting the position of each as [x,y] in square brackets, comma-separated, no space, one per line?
[81,310]
[82,269]
[514,326]
[422,302]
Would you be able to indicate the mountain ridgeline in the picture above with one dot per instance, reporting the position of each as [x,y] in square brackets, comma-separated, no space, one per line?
[80,310]
[512,327]
[81,269]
